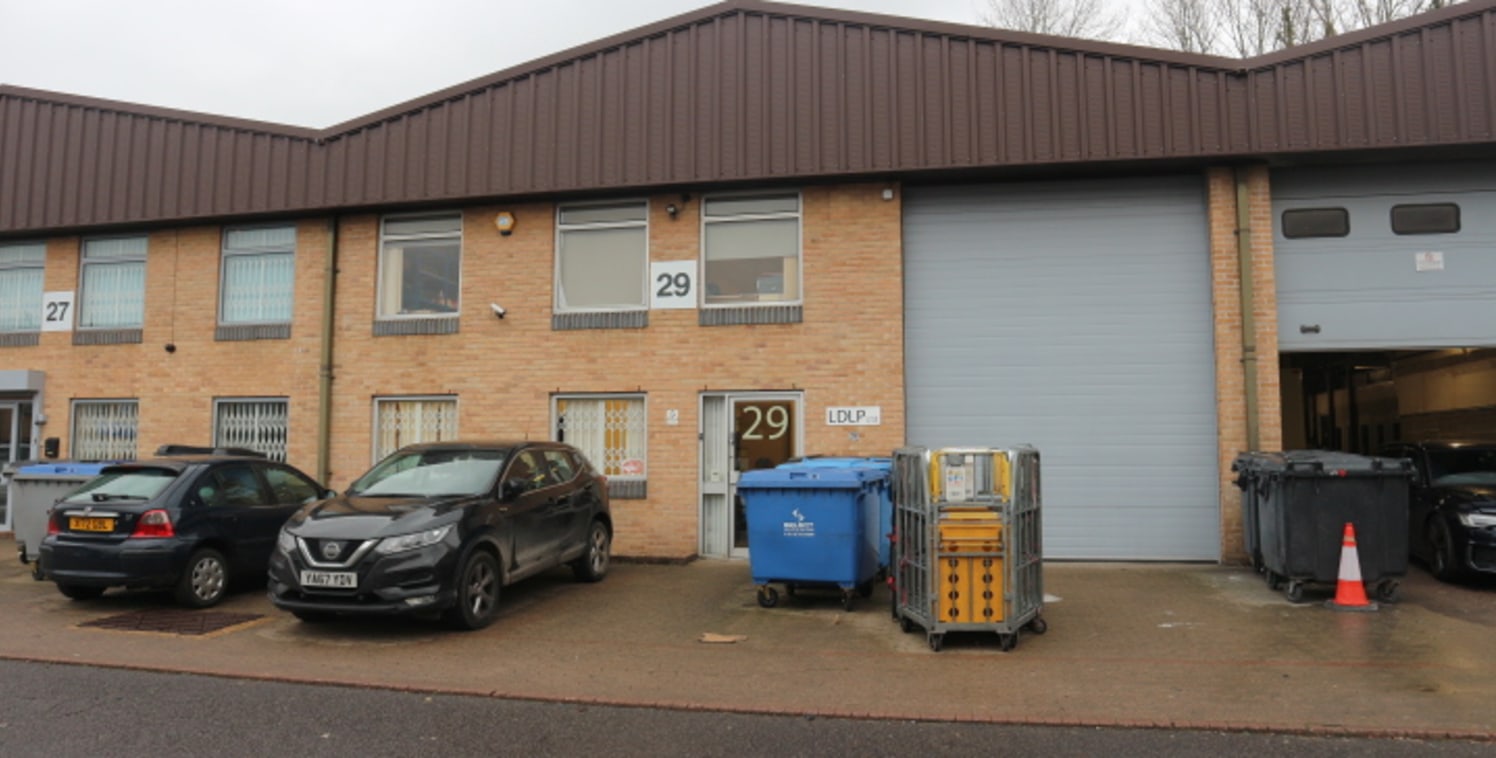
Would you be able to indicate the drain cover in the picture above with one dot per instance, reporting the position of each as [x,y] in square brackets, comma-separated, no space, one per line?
[172,621]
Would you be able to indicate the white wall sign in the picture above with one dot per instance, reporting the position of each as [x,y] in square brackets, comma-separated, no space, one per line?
[672,284]
[859,415]
[57,311]
[672,417]
[1428,261]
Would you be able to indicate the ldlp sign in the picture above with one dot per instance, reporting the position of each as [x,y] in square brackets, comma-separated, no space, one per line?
[858,415]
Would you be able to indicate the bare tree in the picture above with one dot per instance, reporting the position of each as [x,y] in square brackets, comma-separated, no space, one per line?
[1188,25]
[1067,18]
[1247,28]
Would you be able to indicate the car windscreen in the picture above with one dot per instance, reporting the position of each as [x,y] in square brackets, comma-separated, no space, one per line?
[123,485]
[1462,466]
[432,473]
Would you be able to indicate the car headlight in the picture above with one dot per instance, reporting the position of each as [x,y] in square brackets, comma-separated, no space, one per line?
[412,541]
[286,542]
[1478,520]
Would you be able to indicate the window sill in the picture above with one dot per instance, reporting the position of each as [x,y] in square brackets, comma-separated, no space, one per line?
[750,314]
[246,332]
[395,327]
[133,336]
[633,489]
[20,339]
[612,320]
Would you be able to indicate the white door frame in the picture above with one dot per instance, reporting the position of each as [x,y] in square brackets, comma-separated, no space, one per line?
[717,471]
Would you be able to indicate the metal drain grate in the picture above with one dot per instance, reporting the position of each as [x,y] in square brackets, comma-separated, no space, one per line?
[172,621]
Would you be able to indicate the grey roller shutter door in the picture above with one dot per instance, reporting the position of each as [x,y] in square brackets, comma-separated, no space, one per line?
[1374,289]
[1076,317]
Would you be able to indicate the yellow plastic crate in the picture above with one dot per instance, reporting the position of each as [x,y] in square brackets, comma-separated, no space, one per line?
[971,590]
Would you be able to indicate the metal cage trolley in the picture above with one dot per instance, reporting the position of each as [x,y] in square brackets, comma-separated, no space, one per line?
[967,554]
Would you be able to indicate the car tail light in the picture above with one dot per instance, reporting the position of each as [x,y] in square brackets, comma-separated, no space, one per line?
[52,527]
[154,524]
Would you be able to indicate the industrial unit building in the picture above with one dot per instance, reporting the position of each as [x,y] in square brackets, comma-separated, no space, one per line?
[759,231]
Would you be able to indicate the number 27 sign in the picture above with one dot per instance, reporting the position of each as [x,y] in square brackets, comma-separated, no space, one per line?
[57,311]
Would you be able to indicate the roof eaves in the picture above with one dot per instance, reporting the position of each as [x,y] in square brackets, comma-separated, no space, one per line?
[167,114]
[1445,15]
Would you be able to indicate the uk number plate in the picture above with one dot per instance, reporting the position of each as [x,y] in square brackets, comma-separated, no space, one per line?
[342,580]
[87,524]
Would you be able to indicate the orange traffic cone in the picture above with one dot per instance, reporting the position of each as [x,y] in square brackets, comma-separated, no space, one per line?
[1350,593]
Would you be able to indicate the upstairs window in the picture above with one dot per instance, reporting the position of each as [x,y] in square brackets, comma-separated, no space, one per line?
[602,257]
[258,274]
[1426,218]
[751,249]
[21,269]
[105,430]
[420,263]
[113,294]
[1303,223]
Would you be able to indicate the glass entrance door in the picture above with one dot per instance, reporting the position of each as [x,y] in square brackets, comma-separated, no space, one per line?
[15,444]
[740,432]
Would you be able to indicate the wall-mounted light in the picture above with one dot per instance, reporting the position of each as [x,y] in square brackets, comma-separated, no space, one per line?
[504,222]
[672,209]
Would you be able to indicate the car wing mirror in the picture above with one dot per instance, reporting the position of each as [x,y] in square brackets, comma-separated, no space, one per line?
[511,489]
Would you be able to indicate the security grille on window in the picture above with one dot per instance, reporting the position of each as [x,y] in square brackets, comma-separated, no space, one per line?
[610,430]
[751,249]
[21,269]
[1301,223]
[405,421]
[602,257]
[260,425]
[258,274]
[1426,218]
[105,429]
[419,265]
[113,295]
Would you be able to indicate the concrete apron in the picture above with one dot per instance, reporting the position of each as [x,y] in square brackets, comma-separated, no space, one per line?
[1161,645]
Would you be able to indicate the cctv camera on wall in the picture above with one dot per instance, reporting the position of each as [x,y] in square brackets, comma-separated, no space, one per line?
[498,310]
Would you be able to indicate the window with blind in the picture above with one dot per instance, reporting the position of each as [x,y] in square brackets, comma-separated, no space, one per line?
[21,269]
[113,286]
[611,431]
[602,257]
[260,424]
[751,249]
[420,263]
[401,421]
[257,277]
[105,430]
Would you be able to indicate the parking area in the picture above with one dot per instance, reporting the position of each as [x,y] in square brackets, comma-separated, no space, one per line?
[1128,644]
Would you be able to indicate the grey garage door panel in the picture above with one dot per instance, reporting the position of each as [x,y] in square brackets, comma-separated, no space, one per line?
[1075,317]
[1371,288]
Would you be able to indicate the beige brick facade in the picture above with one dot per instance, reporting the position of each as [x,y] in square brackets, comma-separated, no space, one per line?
[503,372]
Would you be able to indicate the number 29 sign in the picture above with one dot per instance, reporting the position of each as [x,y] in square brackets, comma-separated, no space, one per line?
[672,284]
[57,311]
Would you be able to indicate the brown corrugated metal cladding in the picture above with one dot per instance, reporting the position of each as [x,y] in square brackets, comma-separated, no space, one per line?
[751,91]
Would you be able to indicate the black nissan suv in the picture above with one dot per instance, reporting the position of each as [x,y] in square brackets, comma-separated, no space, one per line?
[438,528]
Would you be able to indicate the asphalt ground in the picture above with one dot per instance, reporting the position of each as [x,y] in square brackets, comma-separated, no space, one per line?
[1131,645]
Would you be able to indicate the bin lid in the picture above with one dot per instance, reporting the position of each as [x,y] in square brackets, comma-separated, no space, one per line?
[816,461]
[809,478]
[1320,463]
[63,468]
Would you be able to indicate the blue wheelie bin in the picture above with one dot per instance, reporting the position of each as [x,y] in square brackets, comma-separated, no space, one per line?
[883,530]
[812,528]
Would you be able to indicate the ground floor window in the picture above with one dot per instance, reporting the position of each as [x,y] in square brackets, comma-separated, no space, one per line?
[401,421]
[611,431]
[105,429]
[260,424]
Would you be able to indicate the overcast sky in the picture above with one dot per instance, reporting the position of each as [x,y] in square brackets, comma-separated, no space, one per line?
[316,63]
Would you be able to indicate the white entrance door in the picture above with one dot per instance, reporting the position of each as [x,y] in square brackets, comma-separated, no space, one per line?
[15,444]
[740,431]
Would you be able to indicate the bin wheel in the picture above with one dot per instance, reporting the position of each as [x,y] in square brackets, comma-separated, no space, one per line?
[847,600]
[1006,642]
[36,570]
[905,625]
[768,597]
[1274,581]
[865,589]
[789,590]
[1295,591]
[1038,625]
[937,641]
[1387,591]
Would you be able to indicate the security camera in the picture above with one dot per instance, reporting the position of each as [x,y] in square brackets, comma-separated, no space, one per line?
[498,310]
